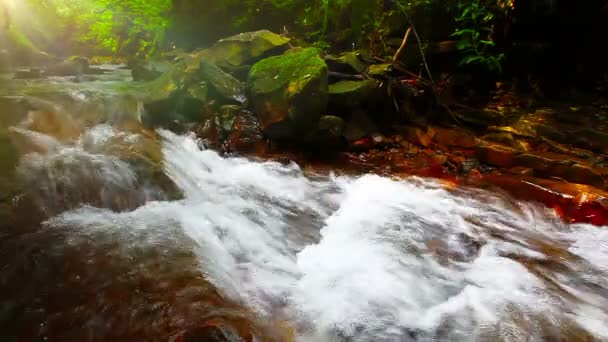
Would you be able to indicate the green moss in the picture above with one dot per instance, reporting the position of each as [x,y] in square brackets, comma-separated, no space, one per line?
[344,87]
[291,70]
[289,91]
[244,48]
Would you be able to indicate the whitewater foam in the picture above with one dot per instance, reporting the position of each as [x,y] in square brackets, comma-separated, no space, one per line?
[369,258]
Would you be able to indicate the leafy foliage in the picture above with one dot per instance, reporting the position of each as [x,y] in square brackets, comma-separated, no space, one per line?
[474,32]
[118,27]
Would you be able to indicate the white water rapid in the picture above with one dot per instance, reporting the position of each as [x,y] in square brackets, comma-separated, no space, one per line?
[360,258]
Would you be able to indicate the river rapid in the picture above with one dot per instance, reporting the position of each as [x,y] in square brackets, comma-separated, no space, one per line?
[120,232]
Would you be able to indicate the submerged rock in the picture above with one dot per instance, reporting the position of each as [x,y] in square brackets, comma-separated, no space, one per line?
[289,93]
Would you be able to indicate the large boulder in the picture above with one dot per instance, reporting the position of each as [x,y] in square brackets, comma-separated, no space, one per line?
[149,70]
[180,94]
[244,49]
[289,93]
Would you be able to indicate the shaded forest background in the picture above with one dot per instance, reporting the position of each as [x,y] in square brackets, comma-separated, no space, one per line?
[558,39]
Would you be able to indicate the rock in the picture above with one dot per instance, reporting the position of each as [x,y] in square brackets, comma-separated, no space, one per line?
[244,49]
[584,174]
[481,118]
[232,128]
[573,202]
[73,67]
[380,70]
[289,93]
[562,166]
[225,85]
[333,125]
[521,171]
[174,99]
[507,139]
[449,137]
[329,132]
[496,155]
[351,94]
[32,73]
[542,161]
[348,63]
[149,70]
[245,133]
[359,126]
[417,136]
[178,96]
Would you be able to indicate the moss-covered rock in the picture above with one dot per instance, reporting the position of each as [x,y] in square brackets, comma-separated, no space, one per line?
[244,49]
[349,62]
[224,85]
[289,92]
[149,70]
[380,70]
[180,93]
[353,93]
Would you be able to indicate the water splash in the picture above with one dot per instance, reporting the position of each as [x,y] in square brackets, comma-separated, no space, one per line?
[370,258]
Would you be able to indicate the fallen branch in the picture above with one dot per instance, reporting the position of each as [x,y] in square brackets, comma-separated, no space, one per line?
[403,45]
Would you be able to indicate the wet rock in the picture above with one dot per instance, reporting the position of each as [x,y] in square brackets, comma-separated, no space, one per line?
[178,96]
[289,93]
[72,67]
[481,118]
[496,155]
[245,49]
[245,133]
[32,73]
[584,174]
[448,137]
[573,202]
[174,99]
[149,70]
[359,126]
[224,85]
[329,132]
[521,171]
[351,94]
[349,63]
[232,128]
[380,70]
[333,125]
[562,166]
[507,139]
[417,136]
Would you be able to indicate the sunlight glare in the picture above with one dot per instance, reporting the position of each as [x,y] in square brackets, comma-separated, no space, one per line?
[11,4]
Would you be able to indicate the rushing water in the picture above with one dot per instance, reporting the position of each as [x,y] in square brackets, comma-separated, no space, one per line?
[316,257]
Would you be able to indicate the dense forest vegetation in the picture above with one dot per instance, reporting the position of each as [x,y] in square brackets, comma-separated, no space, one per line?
[484,30]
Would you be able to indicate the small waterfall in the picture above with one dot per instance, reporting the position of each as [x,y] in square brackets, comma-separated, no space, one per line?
[356,258]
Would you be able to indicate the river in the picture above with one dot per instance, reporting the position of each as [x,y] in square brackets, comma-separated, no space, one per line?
[114,231]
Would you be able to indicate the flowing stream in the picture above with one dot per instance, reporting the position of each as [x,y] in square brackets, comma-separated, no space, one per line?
[147,233]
